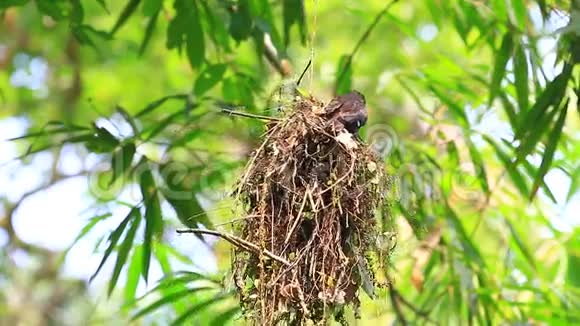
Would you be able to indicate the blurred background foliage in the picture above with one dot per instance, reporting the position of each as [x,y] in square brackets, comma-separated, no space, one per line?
[474,105]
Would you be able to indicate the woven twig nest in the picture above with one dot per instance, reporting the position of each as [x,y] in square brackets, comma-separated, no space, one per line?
[310,191]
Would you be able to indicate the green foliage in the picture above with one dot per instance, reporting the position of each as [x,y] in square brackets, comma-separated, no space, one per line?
[174,65]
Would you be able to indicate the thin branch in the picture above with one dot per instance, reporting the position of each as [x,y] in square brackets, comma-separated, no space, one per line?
[249,115]
[304,72]
[396,306]
[239,242]
[363,38]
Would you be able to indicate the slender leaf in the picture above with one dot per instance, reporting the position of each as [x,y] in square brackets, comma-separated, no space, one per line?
[121,160]
[515,176]
[520,12]
[124,249]
[499,67]
[133,272]
[479,165]
[521,77]
[153,221]
[208,78]
[152,7]
[151,24]
[521,244]
[198,307]
[470,249]
[550,150]
[293,12]
[241,22]
[170,298]
[113,239]
[127,12]
[225,316]
[155,104]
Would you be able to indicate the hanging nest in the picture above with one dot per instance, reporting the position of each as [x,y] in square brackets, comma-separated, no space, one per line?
[310,191]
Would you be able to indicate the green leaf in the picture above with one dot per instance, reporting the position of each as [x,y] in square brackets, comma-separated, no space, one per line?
[552,95]
[520,244]
[113,239]
[198,307]
[469,248]
[129,120]
[155,104]
[148,33]
[85,230]
[10,3]
[153,221]
[453,153]
[152,7]
[77,12]
[103,5]
[574,184]
[572,275]
[521,77]
[127,12]
[53,8]
[121,160]
[183,200]
[293,12]
[499,9]
[344,76]
[124,249]
[501,59]
[208,78]
[456,109]
[170,298]
[225,316]
[240,22]
[550,150]
[133,272]
[509,110]
[479,165]
[515,176]
[520,12]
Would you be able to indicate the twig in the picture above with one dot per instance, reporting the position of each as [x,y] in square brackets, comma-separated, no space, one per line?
[281,65]
[303,72]
[249,115]
[237,241]
[363,38]
[409,305]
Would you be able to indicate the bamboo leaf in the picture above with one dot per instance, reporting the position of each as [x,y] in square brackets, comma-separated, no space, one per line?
[479,165]
[170,298]
[198,307]
[520,12]
[520,244]
[127,12]
[125,248]
[151,24]
[113,239]
[153,221]
[501,60]
[225,316]
[515,176]
[550,150]
[121,160]
[344,76]
[133,272]
[208,78]
[521,77]
[155,104]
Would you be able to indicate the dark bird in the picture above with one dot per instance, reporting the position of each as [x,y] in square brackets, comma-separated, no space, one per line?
[349,110]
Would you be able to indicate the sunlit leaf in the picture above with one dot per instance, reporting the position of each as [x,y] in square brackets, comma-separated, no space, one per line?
[208,78]
[170,298]
[519,241]
[553,139]
[151,7]
[520,12]
[521,77]
[148,32]
[506,160]
[293,11]
[127,12]
[499,67]
[121,160]
[156,104]
[133,273]
[198,307]
[113,239]
[125,248]
[225,316]
[153,221]
[479,165]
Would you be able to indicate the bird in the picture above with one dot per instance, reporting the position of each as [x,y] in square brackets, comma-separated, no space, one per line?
[348,110]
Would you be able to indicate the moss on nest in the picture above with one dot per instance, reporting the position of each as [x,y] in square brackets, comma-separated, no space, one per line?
[310,192]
